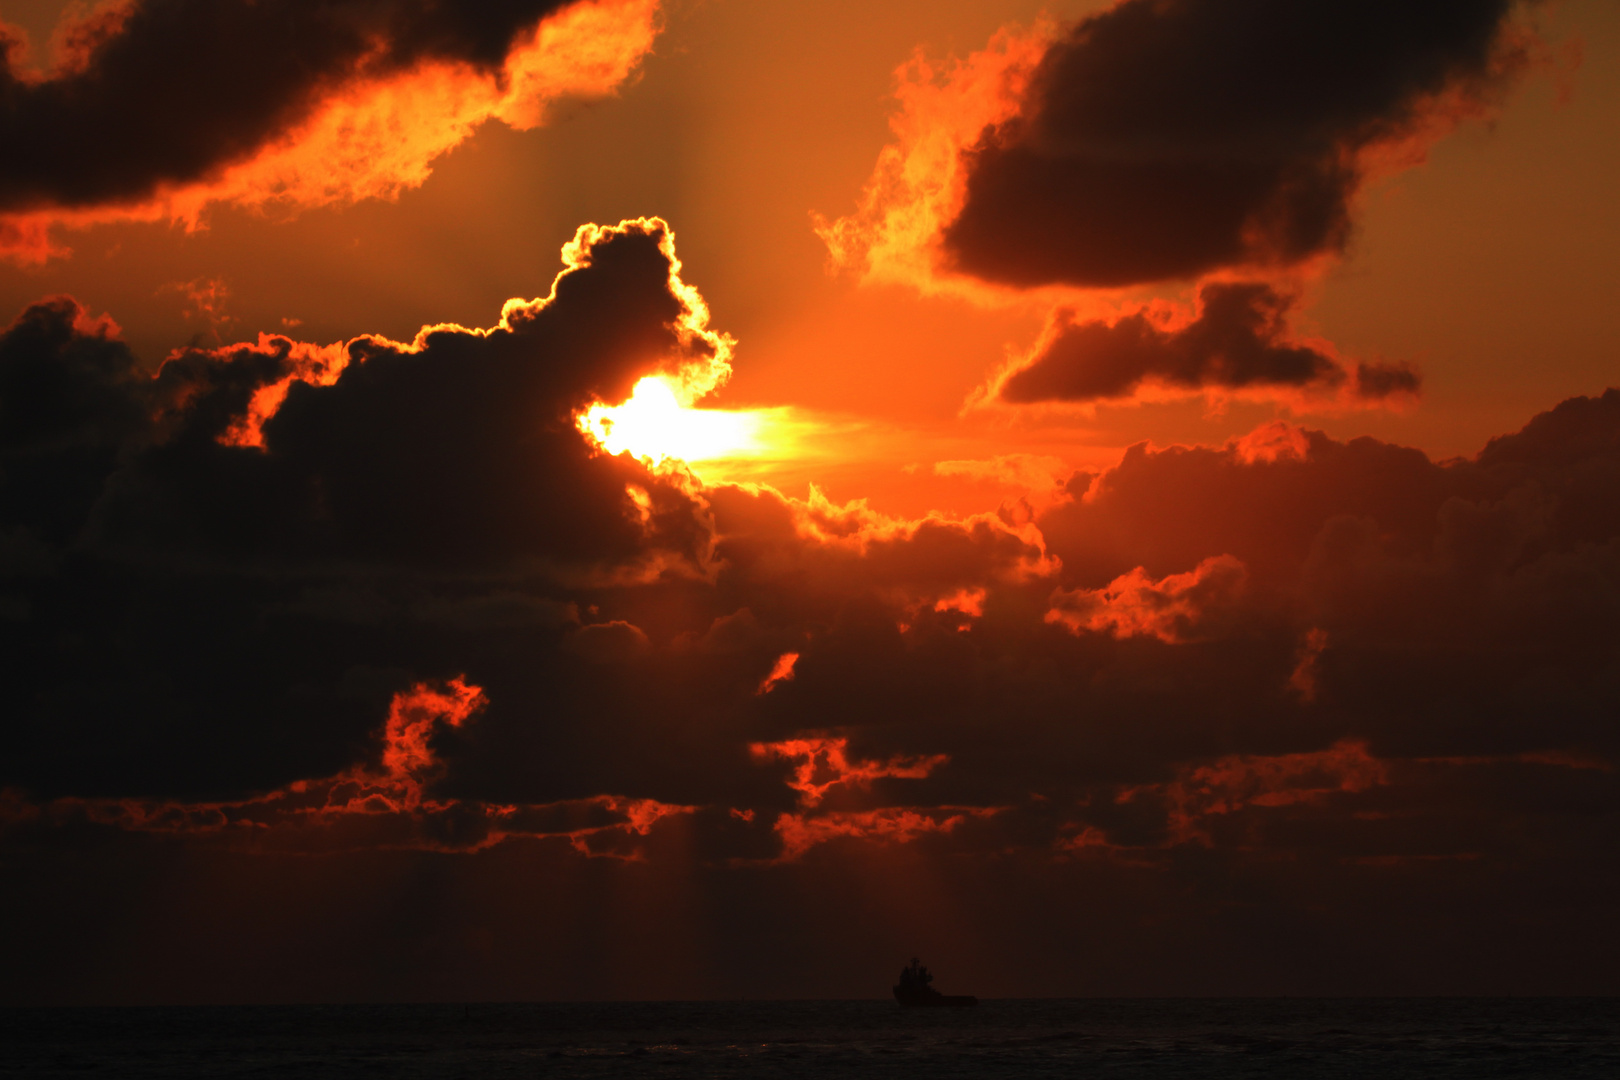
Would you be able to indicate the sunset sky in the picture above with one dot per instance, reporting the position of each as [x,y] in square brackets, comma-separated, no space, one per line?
[713,498]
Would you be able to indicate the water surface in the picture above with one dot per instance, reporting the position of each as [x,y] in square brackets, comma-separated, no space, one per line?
[1150,1038]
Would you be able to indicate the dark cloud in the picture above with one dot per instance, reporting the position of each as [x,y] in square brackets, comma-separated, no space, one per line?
[166,92]
[1239,339]
[248,612]
[1444,597]
[411,614]
[1164,140]
[70,401]
[225,618]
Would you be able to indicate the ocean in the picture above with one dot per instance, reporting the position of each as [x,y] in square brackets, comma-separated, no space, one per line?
[1297,1038]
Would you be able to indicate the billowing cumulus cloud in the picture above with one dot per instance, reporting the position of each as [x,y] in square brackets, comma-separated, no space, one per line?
[389,599]
[154,109]
[1239,340]
[204,514]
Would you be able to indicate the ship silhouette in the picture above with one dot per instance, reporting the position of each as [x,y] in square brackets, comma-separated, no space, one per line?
[913,989]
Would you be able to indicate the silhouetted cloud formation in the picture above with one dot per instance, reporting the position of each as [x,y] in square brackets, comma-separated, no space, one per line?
[1216,143]
[425,474]
[387,599]
[1239,339]
[1163,140]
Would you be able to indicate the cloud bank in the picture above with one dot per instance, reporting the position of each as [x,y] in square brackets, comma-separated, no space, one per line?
[421,614]
[219,577]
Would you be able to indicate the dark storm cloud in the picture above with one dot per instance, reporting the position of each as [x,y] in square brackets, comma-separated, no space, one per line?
[1239,339]
[165,92]
[1163,140]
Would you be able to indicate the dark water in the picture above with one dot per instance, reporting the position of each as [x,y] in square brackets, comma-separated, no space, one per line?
[1294,1038]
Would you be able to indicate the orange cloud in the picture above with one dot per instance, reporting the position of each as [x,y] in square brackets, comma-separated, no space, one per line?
[406,757]
[206,299]
[920,181]
[1177,608]
[396,789]
[1152,142]
[1031,484]
[897,545]
[1168,146]
[823,763]
[1237,344]
[316,365]
[941,564]
[376,130]
[969,602]
[384,806]
[781,672]
[1272,442]
[615,838]
[801,832]
[1303,679]
[1239,781]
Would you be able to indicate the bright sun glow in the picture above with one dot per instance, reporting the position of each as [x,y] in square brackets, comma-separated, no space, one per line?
[654,424]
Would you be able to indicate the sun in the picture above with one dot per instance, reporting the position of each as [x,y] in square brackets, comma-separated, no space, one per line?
[655,426]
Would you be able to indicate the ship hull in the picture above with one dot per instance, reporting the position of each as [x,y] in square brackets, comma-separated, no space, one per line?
[933,1000]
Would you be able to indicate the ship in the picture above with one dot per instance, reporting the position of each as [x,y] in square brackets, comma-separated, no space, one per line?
[913,989]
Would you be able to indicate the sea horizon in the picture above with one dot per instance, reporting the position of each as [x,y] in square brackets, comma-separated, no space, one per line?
[1303,1037]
